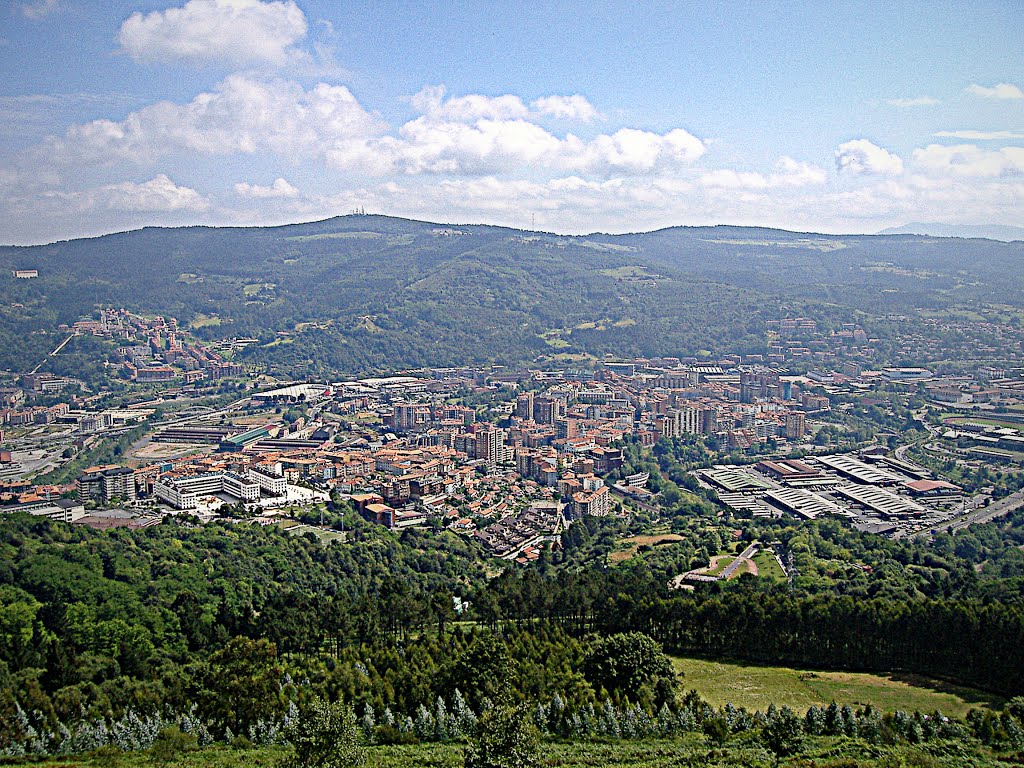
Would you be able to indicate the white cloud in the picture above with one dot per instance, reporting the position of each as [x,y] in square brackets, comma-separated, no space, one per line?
[632,151]
[431,103]
[157,195]
[573,107]
[279,189]
[916,101]
[793,173]
[239,32]
[466,135]
[479,135]
[860,156]
[970,160]
[486,146]
[980,135]
[241,115]
[38,9]
[788,173]
[999,91]
[470,158]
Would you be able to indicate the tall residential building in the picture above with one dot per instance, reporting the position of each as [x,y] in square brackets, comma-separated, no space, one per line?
[524,406]
[410,416]
[547,409]
[796,425]
[689,420]
[759,384]
[708,421]
[490,444]
[596,503]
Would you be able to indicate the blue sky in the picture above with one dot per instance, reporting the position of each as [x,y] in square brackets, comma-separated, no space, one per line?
[578,117]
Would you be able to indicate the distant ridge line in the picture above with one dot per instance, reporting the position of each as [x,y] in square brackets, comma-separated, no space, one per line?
[1002,233]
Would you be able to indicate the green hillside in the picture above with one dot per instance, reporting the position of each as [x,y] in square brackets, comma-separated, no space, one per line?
[372,293]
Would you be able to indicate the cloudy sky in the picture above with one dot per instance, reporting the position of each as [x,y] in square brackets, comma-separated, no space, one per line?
[563,116]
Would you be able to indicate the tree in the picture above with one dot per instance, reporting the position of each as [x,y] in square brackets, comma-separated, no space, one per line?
[324,735]
[505,738]
[716,730]
[633,664]
[783,734]
[244,683]
[482,671]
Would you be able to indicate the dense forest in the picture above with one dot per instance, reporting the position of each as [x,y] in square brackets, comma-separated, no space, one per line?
[371,293]
[225,629]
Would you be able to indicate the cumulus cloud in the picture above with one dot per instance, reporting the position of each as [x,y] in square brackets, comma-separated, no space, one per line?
[970,160]
[279,189]
[860,156]
[159,194]
[916,101]
[998,91]
[241,115]
[238,32]
[431,103]
[632,151]
[573,107]
[465,135]
[980,135]
[492,146]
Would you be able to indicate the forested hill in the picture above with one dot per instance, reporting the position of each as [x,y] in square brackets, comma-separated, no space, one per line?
[372,293]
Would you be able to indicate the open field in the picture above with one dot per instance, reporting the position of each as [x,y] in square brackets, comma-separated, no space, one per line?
[323,535]
[685,752]
[768,566]
[755,687]
[150,451]
[630,546]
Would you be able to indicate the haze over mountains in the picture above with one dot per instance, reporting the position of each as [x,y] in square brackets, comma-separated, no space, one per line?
[1001,232]
[368,293]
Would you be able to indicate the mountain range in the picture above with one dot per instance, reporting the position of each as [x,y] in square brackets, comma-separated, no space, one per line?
[364,293]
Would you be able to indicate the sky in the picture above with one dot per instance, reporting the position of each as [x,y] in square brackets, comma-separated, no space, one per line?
[580,117]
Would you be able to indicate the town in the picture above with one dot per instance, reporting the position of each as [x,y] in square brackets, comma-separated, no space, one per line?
[512,457]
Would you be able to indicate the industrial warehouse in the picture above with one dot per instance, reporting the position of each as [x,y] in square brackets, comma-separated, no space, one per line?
[878,493]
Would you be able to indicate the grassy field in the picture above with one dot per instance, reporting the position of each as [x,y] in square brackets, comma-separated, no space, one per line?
[755,687]
[628,547]
[690,751]
[768,566]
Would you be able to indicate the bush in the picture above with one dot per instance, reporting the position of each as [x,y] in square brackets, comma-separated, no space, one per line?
[505,739]
[171,743]
[324,735]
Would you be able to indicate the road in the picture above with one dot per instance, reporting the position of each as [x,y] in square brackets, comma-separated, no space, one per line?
[747,553]
[987,514]
[55,352]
